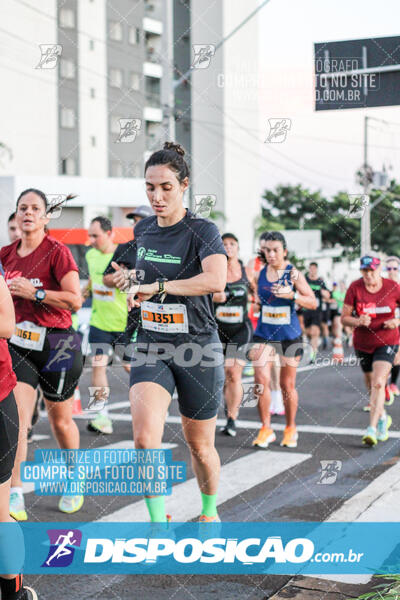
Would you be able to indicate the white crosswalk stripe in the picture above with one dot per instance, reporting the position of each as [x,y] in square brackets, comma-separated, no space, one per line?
[237,476]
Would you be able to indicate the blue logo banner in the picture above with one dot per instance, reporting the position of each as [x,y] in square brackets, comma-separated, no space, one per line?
[201,548]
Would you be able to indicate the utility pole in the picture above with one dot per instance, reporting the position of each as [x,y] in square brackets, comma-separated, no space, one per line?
[366,218]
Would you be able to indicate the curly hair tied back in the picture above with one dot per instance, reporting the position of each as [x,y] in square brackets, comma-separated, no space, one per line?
[172,156]
[176,147]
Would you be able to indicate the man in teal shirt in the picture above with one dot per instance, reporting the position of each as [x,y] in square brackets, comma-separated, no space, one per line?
[108,319]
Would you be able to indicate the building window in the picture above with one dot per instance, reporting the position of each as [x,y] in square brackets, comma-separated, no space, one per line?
[135,81]
[116,78]
[115,128]
[68,166]
[134,35]
[115,31]
[116,169]
[67,68]
[67,117]
[92,93]
[91,45]
[67,18]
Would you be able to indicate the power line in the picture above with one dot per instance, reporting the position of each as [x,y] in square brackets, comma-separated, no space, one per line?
[185,76]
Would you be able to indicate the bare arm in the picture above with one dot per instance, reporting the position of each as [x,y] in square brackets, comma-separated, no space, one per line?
[68,298]
[306,297]
[211,280]
[348,320]
[108,280]
[7,314]
[86,291]
[219,297]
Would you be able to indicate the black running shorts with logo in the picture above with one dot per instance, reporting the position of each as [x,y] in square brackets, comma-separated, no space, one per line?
[9,425]
[195,369]
[386,353]
[56,368]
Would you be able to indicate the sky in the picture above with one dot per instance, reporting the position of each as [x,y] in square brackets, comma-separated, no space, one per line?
[322,149]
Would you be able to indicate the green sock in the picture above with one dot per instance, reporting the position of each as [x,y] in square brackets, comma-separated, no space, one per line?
[156,508]
[209,505]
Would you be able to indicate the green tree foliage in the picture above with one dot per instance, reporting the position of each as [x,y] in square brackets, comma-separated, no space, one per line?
[295,207]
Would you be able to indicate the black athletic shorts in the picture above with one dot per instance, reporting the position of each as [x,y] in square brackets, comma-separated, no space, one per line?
[312,317]
[110,339]
[56,368]
[326,316]
[195,369]
[335,312]
[236,336]
[386,353]
[9,425]
[288,348]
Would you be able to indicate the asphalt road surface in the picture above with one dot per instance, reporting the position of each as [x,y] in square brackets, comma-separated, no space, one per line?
[280,485]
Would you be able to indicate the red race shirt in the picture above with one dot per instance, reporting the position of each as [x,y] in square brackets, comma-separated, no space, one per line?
[44,267]
[380,307]
[8,380]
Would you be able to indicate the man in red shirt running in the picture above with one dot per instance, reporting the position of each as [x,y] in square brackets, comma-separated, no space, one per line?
[376,337]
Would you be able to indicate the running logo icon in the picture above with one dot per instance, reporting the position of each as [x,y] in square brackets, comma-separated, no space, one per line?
[133,279]
[62,352]
[50,54]
[357,205]
[128,130]
[203,54]
[278,130]
[204,203]
[251,394]
[329,471]
[98,397]
[63,543]
[55,202]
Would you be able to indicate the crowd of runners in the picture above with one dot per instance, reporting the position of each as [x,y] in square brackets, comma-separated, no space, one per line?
[178,288]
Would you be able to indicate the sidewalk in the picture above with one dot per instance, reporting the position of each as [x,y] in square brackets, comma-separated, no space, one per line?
[311,588]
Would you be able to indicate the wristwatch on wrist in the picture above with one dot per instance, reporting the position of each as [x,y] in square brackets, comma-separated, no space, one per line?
[40,295]
[161,285]
[296,295]
[161,288]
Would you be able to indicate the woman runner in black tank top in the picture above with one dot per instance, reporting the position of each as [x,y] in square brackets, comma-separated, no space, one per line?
[234,329]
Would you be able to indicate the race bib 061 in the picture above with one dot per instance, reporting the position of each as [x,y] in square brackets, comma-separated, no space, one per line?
[28,335]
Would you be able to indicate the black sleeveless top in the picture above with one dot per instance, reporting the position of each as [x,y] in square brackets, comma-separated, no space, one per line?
[232,314]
